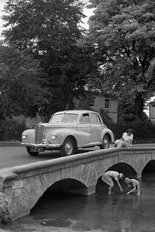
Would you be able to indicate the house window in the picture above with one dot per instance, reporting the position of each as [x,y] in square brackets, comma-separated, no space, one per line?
[92,101]
[107,104]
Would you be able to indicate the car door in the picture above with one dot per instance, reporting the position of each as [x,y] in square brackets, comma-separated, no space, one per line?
[97,127]
[84,129]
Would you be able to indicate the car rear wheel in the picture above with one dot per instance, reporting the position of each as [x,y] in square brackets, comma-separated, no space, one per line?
[68,147]
[105,142]
[32,151]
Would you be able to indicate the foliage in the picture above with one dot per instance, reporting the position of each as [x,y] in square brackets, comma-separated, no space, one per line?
[20,83]
[50,32]
[123,33]
[143,131]
[67,75]
[43,25]
[11,130]
[126,110]
[105,117]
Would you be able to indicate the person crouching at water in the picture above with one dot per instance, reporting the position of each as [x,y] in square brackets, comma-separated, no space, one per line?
[108,179]
[134,184]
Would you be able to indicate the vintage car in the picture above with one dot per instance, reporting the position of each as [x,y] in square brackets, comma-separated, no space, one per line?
[67,131]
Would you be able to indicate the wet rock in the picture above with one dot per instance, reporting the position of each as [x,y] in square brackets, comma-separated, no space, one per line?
[5,211]
[43,223]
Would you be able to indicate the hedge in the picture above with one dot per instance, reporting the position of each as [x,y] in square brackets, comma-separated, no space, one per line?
[144,132]
[11,130]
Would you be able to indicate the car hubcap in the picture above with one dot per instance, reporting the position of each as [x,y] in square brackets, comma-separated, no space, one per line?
[105,143]
[68,148]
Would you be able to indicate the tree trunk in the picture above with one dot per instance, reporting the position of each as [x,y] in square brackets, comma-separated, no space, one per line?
[139,106]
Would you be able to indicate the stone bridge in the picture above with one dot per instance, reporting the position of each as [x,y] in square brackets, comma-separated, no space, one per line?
[24,185]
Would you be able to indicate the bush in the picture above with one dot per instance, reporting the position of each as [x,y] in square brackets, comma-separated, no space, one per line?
[11,130]
[106,118]
[144,132]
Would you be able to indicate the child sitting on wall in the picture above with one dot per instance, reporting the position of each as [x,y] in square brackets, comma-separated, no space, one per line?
[126,140]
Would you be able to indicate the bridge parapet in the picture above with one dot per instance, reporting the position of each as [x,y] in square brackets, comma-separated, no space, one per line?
[24,185]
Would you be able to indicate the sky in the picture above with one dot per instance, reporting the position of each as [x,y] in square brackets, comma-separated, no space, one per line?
[2,2]
[87,12]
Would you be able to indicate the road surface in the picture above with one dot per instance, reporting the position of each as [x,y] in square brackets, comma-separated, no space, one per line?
[14,156]
[17,155]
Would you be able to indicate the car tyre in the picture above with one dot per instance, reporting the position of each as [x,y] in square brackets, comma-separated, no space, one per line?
[68,147]
[105,142]
[31,151]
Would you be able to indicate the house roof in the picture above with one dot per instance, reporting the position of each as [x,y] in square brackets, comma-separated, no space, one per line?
[75,111]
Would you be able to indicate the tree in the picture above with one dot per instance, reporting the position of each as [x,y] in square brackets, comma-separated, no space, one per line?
[20,84]
[123,33]
[42,25]
[49,30]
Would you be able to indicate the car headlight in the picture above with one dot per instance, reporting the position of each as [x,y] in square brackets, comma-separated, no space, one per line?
[45,141]
[53,136]
[24,136]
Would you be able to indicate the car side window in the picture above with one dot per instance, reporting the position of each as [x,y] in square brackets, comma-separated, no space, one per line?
[95,119]
[85,118]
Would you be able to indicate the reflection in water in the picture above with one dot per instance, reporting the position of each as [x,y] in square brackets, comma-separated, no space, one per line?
[99,212]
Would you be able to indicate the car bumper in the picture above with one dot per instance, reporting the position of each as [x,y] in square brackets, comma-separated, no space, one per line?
[42,145]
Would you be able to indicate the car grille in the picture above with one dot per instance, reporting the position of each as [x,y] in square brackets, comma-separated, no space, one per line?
[39,133]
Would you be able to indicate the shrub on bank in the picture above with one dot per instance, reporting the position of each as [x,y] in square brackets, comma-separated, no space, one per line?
[11,130]
[144,132]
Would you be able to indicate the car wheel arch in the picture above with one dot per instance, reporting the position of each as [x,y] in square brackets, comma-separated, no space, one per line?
[69,146]
[108,135]
[106,140]
[71,137]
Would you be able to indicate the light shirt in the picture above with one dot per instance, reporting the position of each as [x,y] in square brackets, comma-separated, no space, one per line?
[127,138]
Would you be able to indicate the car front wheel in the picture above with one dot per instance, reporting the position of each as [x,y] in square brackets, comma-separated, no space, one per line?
[68,147]
[105,142]
[32,151]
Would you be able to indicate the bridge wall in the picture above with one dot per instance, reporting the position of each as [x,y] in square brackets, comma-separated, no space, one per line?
[24,185]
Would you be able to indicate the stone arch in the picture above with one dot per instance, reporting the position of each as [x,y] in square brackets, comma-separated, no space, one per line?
[121,167]
[41,189]
[107,164]
[137,161]
[124,168]
[150,166]
[70,185]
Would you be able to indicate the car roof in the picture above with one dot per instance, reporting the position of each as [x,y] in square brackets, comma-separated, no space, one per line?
[76,111]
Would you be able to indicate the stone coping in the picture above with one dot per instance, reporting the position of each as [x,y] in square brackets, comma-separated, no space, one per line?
[55,164]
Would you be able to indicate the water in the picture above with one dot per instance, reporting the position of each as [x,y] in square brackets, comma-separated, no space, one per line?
[97,213]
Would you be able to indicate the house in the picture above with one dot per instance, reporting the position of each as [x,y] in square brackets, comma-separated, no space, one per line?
[152,111]
[107,104]
[99,103]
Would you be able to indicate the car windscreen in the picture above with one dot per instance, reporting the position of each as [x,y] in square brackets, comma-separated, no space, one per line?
[56,118]
[69,118]
[64,118]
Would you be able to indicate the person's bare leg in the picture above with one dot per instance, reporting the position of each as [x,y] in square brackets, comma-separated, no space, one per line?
[121,144]
[109,191]
[138,188]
